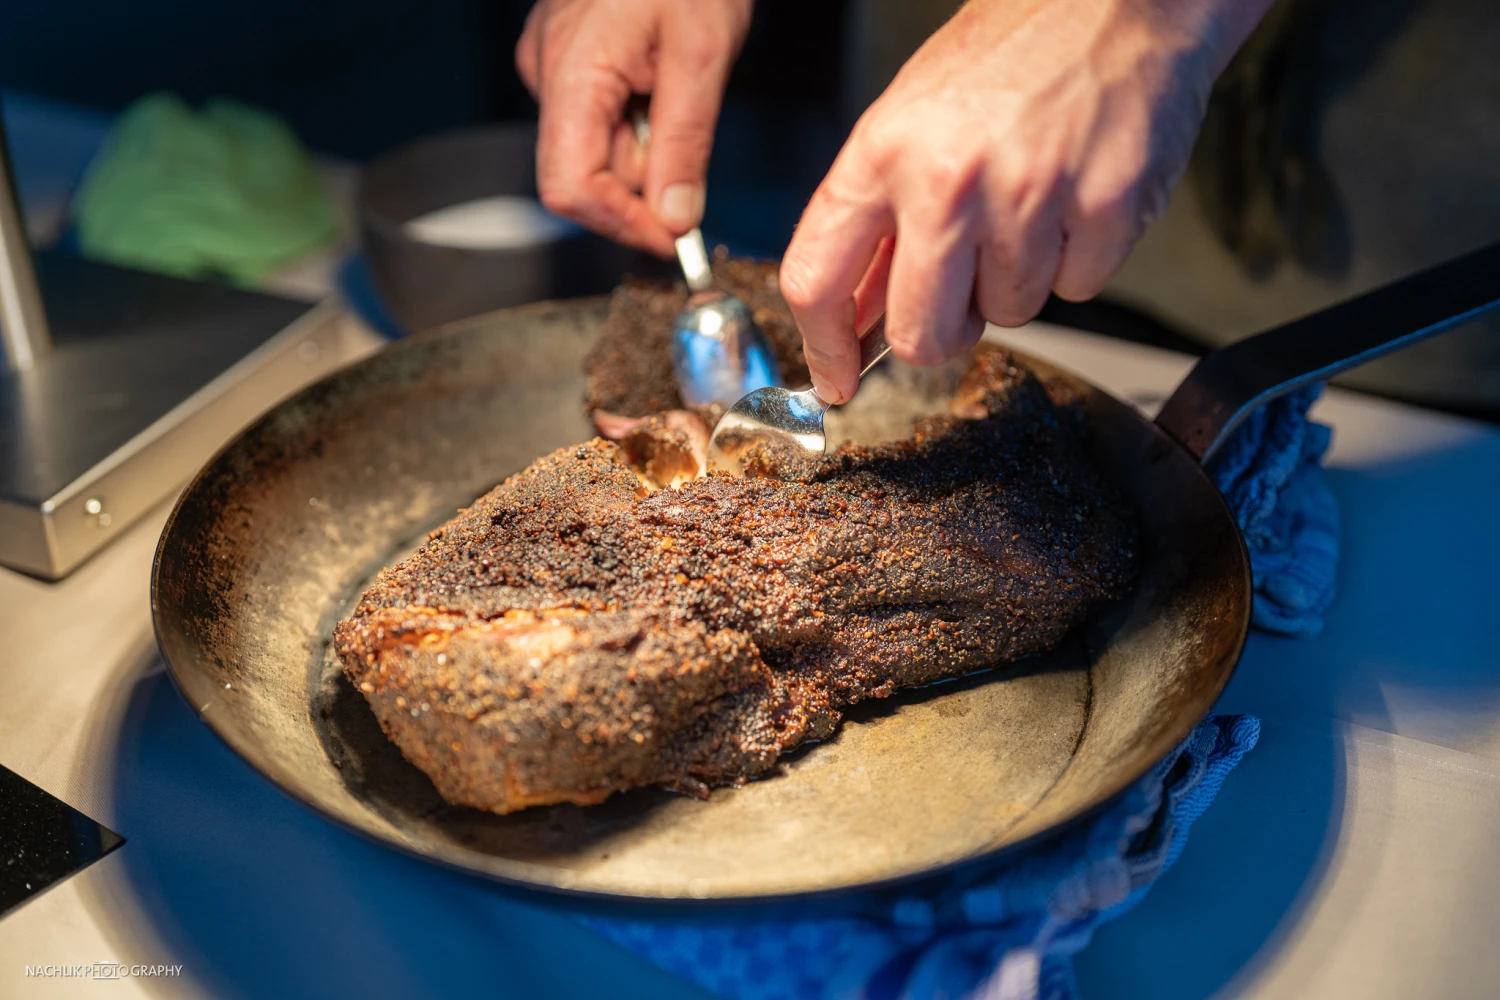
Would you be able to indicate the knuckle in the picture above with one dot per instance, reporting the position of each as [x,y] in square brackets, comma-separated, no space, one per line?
[915,346]
[800,283]
[1020,191]
[702,53]
[818,357]
[1001,252]
[951,162]
[1033,300]
[705,43]
[733,13]
[1012,312]
[559,196]
[1079,287]
[1112,206]
[952,174]
[1006,312]
[1002,311]
[878,139]
[926,353]
[552,50]
[1121,216]
[686,140]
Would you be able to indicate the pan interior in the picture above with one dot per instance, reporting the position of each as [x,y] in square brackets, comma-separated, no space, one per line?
[277,537]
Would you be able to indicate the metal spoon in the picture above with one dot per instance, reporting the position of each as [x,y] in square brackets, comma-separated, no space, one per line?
[786,424]
[718,352]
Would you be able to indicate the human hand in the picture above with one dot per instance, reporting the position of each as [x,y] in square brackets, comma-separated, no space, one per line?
[582,60]
[1023,149]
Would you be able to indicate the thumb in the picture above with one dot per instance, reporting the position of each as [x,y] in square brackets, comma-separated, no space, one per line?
[691,71]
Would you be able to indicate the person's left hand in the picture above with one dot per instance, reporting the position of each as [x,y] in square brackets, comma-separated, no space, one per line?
[583,59]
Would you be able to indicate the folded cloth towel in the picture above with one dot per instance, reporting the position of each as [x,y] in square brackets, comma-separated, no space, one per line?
[1270,472]
[1011,933]
[226,192]
[1008,934]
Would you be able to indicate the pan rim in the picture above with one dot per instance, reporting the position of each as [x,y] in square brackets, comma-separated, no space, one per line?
[516,879]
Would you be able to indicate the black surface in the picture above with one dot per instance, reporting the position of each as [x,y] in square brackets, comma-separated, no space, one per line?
[351,76]
[128,347]
[43,840]
[358,77]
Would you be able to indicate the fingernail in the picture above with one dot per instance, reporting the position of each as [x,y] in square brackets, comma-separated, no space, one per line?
[827,391]
[681,205]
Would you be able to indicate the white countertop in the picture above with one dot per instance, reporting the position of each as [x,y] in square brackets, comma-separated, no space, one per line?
[1355,852]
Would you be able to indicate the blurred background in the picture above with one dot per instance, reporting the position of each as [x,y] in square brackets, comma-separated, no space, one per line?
[1352,141]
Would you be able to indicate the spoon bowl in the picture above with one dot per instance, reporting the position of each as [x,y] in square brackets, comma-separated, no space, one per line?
[718,352]
[782,426]
[787,425]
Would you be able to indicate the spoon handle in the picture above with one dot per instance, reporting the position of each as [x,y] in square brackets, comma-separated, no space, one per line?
[692,254]
[872,347]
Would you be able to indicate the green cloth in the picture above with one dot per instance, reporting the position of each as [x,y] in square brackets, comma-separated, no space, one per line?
[226,192]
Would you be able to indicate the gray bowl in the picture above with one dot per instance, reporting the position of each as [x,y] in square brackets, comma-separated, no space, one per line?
[425,284]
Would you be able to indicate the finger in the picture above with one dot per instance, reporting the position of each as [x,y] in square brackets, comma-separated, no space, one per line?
[577,133]
[831,252]
[1018,269]
[692,68]
[929,305]
[627,159]
[1099,233]
[528,49]
[869,297]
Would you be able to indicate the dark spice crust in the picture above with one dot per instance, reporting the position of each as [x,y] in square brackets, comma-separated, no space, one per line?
[575,633]
[629,371]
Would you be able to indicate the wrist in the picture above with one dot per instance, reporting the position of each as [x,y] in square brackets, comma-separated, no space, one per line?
[1219,26]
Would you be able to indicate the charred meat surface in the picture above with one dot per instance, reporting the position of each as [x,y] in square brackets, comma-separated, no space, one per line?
[629,371]
[586,627]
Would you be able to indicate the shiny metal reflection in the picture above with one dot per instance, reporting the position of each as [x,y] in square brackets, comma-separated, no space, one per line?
[783,426]
[24,335]
[718,352]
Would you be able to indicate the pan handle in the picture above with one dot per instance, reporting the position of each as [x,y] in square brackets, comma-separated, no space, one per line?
[1228,385]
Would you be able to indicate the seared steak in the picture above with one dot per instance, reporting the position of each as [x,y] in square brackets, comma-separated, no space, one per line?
[586,627]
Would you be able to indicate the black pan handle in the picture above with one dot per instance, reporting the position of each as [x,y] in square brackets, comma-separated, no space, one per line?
[1226,386]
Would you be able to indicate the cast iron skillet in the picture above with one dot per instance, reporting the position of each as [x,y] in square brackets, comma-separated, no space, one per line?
[269,546]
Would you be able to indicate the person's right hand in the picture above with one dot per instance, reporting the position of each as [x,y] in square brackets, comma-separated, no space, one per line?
[582,60]
[1021,151]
